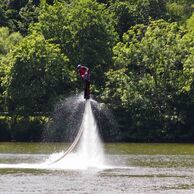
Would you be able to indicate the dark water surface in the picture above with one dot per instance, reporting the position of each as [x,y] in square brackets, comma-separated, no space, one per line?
[134,168]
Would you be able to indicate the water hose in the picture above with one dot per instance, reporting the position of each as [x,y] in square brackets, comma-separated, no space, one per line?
[72,146]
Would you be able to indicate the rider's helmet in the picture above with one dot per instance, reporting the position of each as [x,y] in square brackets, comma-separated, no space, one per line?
[79,66]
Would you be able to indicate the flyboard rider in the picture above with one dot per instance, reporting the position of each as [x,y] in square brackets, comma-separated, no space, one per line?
[84,73]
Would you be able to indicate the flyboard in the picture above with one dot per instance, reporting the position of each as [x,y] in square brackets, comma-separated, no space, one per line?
[72,146]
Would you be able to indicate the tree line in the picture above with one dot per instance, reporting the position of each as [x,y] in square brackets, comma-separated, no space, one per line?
[140,52]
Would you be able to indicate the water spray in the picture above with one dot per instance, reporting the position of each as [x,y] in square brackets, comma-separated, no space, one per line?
[73,145]
[87,141]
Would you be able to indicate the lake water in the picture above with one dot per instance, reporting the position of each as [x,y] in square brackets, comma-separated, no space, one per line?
[130,168]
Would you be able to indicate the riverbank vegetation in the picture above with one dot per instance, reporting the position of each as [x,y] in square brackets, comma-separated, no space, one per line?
[140,52]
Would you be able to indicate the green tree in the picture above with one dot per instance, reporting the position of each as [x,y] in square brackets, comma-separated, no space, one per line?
[18,14]
[148,78]
[36,73]
[28,15]
[8,41]
[84,30]
[179,10]
[190,24]
[130,13]
[3,18]
[188,101]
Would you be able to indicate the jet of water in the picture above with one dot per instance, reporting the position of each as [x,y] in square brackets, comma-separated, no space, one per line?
[91,147]
[89,153]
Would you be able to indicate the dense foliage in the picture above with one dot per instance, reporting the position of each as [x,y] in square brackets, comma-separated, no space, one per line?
[37,70]
[140,52]
[149,78]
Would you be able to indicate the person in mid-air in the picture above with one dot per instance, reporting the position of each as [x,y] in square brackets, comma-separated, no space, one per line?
[84,73]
